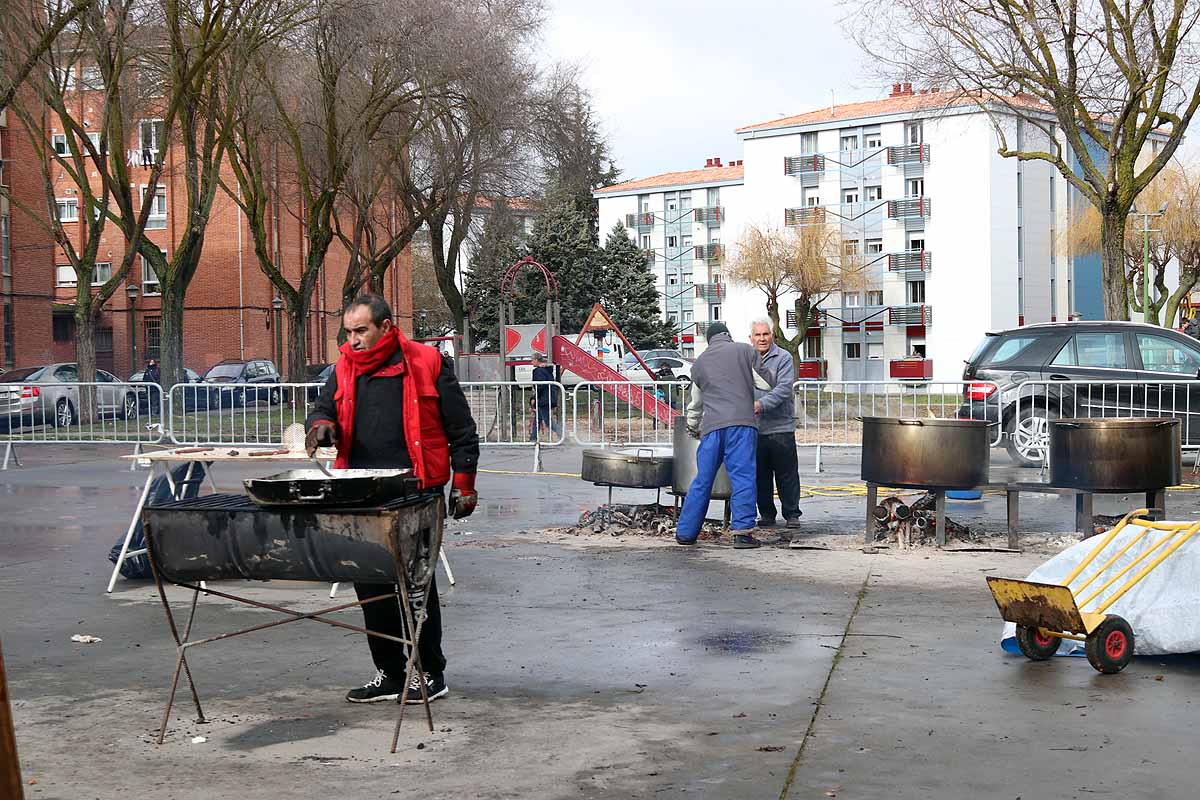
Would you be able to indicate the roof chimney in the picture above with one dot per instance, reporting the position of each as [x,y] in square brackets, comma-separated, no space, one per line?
[707,163]
[907,88]
[895,90]
[717,161]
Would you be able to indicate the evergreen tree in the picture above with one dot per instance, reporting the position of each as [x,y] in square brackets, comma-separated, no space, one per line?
[628,292]
[562,241]
[499,248]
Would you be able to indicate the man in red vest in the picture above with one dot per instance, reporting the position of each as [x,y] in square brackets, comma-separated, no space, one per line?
[395,404]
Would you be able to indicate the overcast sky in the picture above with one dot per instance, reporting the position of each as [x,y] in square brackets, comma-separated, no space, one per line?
[672,80]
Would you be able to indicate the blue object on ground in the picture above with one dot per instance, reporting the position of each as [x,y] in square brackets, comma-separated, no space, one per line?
[964,494]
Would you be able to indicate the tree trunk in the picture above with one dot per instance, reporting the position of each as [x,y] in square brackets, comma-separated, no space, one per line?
[297,343]
[170,350]
[85,360]
[1187,280]
[1112,269]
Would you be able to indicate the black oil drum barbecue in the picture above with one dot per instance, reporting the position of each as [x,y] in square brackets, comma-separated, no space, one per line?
[366,526]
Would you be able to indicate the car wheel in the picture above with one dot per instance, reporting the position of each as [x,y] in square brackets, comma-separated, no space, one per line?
[1029,435]
[130,408]
[239,398]
[276,397]
[64,414]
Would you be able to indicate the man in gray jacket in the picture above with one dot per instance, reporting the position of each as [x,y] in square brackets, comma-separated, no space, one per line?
[777,462]
[721,415]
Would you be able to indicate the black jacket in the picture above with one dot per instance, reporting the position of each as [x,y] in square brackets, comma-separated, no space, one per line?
[379,427]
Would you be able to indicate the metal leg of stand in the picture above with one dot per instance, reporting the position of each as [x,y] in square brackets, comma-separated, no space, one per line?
[1156,501]
[939,505]
[872,501]
[137,515]
[10,452]
[446,565]
[1083,514]
[333,589]
[137,451]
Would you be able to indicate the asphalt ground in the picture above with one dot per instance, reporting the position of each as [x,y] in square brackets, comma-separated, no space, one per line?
[580,665]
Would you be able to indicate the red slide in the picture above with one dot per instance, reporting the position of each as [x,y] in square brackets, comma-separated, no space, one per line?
[571,357]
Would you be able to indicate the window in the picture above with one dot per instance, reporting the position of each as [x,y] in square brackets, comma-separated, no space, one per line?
[5,254]
[686,241]
[874,193]
[1160,354]
[149,279]
[102,273]
[1100,350]
[916,292]
[158,208]
[849,142]
[714,313]
[672,280]
[808,143]
[872,141]
[915,187]
[672,241]
[64,275]
[850,195]
[850,247]
[916,240]
[687,316]
[94,138]
[104,344]
[875,297]
[853,351]
[874,351]
[685,201]
[1009,349]
[811,197]
[874,246]
[68,373]
[671,318]
[63,77]
[59,140]
[152,336]
[714,196]
[812,346]
[672,202]
[644,203]
[67,209]
[852,300]
[92,79]
[150,134]
[646,241]
[63,327]
[913,133]
[716,277]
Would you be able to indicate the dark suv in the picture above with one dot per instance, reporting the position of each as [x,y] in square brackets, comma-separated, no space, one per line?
[234,371]
[1100,353]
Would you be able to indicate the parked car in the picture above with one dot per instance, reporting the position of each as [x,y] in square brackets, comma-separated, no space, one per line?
[316,373]
[681,368]
[249,371]
[629,362]
[1098,352]
[192,399]
[47,395]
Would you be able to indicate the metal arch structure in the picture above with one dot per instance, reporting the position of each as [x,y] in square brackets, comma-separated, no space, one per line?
[508,285]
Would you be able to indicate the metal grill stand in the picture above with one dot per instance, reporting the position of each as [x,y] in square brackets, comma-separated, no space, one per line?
[414,618]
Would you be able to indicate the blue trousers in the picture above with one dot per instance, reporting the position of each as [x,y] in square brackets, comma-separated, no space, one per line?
[737,447]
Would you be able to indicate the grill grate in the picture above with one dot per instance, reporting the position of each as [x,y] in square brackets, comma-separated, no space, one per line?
[241,502]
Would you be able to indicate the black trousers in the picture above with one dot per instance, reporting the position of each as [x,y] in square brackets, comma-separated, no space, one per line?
[384,616]
[778,466]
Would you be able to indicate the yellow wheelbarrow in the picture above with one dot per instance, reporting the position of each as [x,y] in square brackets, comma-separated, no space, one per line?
[1044,613]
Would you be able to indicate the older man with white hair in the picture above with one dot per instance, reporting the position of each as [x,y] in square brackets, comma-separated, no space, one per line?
[776,455]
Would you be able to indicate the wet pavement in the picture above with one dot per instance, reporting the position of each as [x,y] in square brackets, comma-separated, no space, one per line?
[579,666]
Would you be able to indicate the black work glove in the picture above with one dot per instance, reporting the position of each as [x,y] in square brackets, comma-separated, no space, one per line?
[323,433]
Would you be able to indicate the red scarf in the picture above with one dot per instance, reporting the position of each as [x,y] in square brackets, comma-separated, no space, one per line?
[352,365]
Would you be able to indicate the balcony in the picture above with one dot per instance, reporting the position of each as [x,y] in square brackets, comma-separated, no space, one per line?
[649,257]
[641,220]
[713,254]
[911,369]
[910,261]
[141,158]
[908,154]
[803,165]
[709,215]
[711,292]
[807,215]
[910,315]
[908,208]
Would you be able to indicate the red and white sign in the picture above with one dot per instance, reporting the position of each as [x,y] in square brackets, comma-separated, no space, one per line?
[522,341]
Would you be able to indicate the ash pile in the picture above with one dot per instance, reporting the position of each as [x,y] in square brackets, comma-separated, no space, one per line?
[913,524]
[623,519]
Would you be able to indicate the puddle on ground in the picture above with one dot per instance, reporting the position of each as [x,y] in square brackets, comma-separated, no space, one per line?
[282,731]
[739,642]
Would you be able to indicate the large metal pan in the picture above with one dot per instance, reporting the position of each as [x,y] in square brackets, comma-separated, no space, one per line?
[925,453]
[633,468]
[1115,455]
[685,447]
[346,487]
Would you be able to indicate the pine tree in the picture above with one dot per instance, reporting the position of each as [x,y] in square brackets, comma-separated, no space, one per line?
[628,291]
[499,248]
[562,241]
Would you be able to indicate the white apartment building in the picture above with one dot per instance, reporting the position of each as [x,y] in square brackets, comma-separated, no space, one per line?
[680,220]
[956,240]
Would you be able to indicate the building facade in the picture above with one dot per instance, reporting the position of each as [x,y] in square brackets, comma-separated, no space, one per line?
[681,221]
[950,239]
[229,310]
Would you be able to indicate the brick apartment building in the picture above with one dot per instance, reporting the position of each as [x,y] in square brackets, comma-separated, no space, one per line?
[228,311]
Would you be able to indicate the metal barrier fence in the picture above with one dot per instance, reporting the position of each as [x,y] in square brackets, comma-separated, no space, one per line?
[626,412]
[829,413]
[523,413]
[1028,408]
[236,413]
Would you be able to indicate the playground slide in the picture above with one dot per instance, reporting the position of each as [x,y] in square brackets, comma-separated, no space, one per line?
[571,357]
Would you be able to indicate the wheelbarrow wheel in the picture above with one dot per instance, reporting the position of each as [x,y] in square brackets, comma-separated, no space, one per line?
[1036,645]
[1110,647]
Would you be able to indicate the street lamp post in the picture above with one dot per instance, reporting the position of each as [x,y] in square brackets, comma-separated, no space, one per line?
[277,304]
[131,293]
[1146,231]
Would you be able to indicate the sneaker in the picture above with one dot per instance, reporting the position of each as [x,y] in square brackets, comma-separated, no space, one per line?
[768,523]
[685,542]
[792,522]
[376,690]
[745,541]
[435,687]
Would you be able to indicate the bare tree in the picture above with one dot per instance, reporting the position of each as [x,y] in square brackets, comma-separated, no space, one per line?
[30,30]
[1105,78]
[1176,238]
[801,263]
